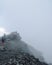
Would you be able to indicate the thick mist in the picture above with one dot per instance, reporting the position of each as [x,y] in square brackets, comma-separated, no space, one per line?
[32,19]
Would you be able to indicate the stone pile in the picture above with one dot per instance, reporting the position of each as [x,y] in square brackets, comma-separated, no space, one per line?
[18,58]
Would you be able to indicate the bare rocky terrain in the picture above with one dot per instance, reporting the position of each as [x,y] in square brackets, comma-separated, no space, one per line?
[8,57]
[14,51]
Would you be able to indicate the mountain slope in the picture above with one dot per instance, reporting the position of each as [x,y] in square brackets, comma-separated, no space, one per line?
[13,42]
[10,57]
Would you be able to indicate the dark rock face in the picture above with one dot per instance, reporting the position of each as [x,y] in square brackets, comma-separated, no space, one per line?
[18,58]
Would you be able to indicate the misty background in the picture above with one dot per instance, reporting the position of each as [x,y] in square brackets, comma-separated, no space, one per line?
[32,19]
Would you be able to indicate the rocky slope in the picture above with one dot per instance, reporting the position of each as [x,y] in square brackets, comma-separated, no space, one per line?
[14,50]
[8,57]
[13,42]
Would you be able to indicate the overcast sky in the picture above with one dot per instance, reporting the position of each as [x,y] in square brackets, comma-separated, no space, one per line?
[32,19]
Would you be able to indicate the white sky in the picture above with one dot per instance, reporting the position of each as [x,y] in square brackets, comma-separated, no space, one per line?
[32,19]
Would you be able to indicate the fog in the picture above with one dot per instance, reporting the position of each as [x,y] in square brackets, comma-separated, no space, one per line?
[32,19]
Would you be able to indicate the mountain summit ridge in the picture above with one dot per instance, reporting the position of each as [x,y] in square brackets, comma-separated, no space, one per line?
[13,42]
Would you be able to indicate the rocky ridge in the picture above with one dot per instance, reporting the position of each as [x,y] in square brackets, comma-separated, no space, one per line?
[14,51]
